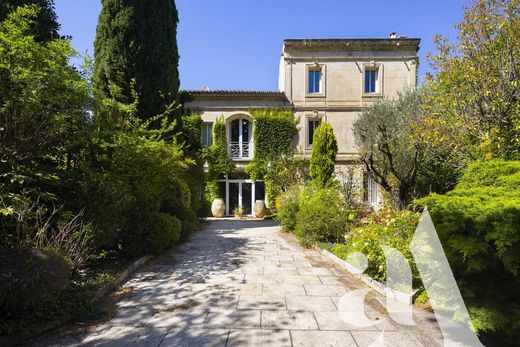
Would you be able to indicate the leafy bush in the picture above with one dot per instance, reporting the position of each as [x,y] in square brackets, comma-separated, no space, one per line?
[191,135]
[42,98]
[323,215]
[287,206]
[31,279]
[284,172]
[164,231]
[323,157]
[479,226]
[389,228]
[131,179]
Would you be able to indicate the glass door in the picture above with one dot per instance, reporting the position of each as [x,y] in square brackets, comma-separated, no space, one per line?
[240,194]
[247,192]
[234,196]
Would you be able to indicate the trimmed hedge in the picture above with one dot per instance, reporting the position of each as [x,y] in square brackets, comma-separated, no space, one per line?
[164,232]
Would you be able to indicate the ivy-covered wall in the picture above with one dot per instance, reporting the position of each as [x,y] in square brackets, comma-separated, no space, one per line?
[217,159]
[274,132]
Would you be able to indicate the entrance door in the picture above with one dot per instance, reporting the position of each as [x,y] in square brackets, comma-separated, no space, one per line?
[240,193]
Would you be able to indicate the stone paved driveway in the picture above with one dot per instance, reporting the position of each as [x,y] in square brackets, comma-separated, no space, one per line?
[245,283]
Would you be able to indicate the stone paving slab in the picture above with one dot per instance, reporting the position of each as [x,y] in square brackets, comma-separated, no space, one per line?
[311,338]
[246,284]
[259,337]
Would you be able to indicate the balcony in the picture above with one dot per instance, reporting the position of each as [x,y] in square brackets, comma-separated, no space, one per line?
[240,150]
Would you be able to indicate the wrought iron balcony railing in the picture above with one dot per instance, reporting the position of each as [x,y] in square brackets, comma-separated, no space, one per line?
[240,150]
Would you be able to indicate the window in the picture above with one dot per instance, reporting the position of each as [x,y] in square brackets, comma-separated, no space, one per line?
[369,189]
[311,129]
[207,134]
[370,81]
[240,144]
[314,81]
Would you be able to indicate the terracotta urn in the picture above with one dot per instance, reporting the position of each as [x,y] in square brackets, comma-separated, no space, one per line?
[218,208]
[259,209]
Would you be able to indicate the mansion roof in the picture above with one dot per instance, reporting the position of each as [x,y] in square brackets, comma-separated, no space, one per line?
[239,94]
[386,44]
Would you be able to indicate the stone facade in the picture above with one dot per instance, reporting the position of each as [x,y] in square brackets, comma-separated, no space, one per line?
[320,80]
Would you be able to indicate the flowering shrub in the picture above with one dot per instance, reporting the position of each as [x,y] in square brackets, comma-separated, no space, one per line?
[389,228]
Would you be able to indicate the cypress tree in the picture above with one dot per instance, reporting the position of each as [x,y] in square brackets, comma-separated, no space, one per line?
[323,157]
[136,54]
[46,24]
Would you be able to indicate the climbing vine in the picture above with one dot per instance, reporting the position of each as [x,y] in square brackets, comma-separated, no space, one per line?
[216,157]
[274,133]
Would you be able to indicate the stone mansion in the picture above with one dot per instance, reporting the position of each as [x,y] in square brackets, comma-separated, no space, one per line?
[319,80]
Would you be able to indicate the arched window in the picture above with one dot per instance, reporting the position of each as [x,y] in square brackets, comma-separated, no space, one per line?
[240,138]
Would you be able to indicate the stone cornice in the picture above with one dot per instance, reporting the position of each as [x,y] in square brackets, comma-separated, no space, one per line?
[388,44]
[236,94]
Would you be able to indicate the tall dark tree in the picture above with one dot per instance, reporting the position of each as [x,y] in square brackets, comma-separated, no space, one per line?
[45,26]
[136,54]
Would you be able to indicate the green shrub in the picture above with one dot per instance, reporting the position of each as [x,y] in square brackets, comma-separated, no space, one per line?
[130,179]
[390,228]
[286,171]
[164,231]
[323,215]
[177,202]
[287,206]
[323,157]
[479,226]
[493,173]
[31,279]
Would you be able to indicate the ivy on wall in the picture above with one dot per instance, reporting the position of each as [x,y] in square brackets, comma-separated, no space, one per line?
[217,158]
[274,132]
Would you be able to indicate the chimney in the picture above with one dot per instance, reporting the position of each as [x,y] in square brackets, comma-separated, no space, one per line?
[393,35]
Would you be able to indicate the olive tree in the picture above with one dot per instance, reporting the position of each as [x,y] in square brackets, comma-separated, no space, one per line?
[387,149]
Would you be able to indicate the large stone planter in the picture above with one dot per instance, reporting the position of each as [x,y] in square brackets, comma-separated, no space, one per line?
[218,208]
[259,209]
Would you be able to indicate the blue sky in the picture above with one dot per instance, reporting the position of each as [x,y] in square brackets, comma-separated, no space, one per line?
[236,44]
